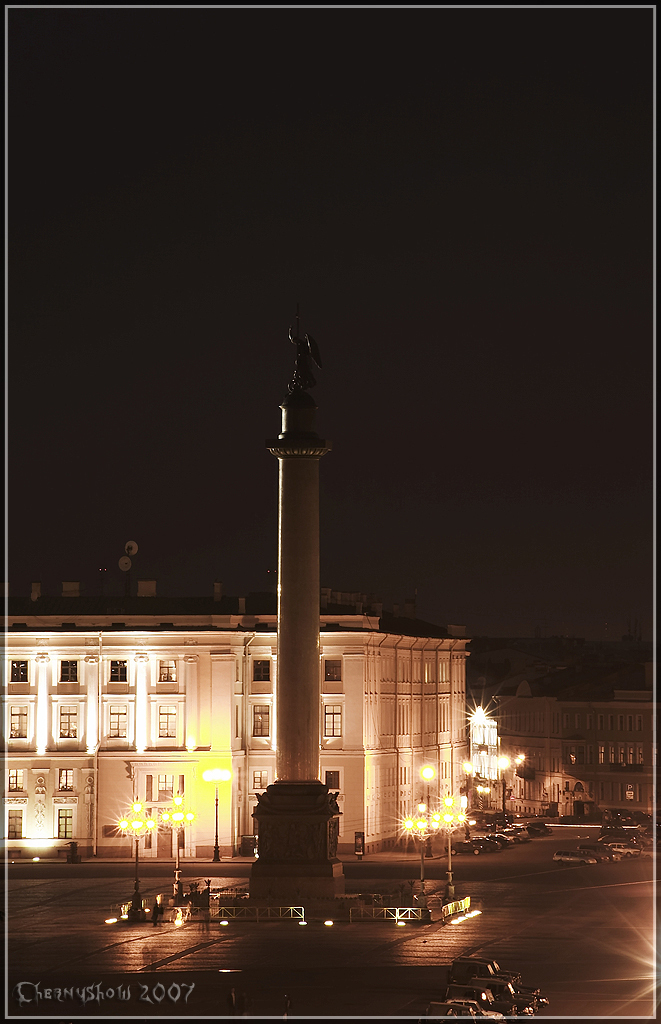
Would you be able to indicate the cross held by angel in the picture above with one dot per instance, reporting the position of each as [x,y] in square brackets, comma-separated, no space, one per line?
[306,349]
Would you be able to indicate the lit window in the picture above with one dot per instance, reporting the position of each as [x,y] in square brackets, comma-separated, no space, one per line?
[602,752]
[261,720]
[66,779]
[68,722]
[332,719]
[14,824]
[167,721]
[165,786]
[641,756]
[332,671]
[68,671]
[19,672]
[630,756]
[167,672]
[118,672]
[260,779]
[611,754]
[333,780]
[117,721]
[15,779]
[65,823]
[18,723]
[261,671]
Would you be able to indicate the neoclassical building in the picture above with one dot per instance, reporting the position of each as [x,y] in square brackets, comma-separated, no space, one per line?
[107,700]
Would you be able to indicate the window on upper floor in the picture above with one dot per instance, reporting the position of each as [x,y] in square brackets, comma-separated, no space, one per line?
[611,723]
[167,672]
[165,786]
[260,779]
[261,720]
[19,672]
[167,721]
[639,723]
[333,780]
[117,722]
[588,721]
[620,723]
[332,720]
[602,753]
[261,670]
[16,779]
[65,779]
[18,722]
[118,672]
[565,721]
[600,723]
[68,722]
[68,671]
[333,670]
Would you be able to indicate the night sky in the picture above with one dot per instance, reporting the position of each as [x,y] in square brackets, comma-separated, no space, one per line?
[460,200]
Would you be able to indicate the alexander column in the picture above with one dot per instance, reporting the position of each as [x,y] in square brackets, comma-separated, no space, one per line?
[297,816]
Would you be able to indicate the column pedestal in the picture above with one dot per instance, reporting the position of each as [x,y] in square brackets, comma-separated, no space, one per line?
[298,831]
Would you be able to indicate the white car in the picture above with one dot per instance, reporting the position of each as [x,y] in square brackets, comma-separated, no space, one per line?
[624,849]
[574,857]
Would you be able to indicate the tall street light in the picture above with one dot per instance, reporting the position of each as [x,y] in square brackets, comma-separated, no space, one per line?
[176,818]
[423,827]
[428,772]
[452,816]
[504,763]
[216,775]
[136,825]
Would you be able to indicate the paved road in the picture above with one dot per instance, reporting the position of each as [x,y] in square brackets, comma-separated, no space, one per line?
[582,933]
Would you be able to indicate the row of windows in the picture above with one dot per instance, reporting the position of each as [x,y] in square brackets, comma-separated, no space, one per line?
[64,824]
[167,721]
[625,723]
[616,754]
[167,671]
[17,780]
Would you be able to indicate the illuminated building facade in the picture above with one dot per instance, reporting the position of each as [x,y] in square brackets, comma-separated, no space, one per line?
[102,706]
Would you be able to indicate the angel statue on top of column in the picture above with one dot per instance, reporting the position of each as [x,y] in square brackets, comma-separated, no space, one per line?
[306,349]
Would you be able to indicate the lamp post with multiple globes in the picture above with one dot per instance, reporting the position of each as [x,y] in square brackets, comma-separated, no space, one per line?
[176,818]
[137,824]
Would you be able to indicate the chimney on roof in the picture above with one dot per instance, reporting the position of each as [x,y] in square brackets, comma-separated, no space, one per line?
[242,606]
[35,593]
[457,631]
[217,591]
[146,588]
[71,589]
[409,608]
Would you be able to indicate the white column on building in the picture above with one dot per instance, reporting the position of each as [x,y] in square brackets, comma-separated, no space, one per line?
[92,669]
[192,721]
[141,661]
[41,724]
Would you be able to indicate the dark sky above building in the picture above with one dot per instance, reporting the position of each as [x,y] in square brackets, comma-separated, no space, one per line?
[461,202]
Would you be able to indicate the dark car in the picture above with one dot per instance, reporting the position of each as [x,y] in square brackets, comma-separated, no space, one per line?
[465,847]
[487,972]
[486,844]
[538,828]
[505,1000]
[599,850]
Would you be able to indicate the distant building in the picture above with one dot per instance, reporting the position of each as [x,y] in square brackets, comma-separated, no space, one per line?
[587,736]
[107,700]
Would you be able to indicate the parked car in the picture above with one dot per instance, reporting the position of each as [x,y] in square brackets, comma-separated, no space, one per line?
[493,964]
[460,1008]
[502,840]
[538,828]
[486,843]
[574,857]
[600,850]
[466,968]
[464,847]
[505,1001]
[518,833]
[625,849]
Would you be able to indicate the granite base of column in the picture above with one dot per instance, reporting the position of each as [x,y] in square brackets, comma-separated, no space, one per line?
[298,826]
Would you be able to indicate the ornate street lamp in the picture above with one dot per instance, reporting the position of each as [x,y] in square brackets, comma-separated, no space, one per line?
[423,826]
[176,818]
[136,825]
[216,775]
[428,772]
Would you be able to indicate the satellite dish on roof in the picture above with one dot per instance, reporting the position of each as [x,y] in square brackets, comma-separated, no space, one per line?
[131,548]
[124,563]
